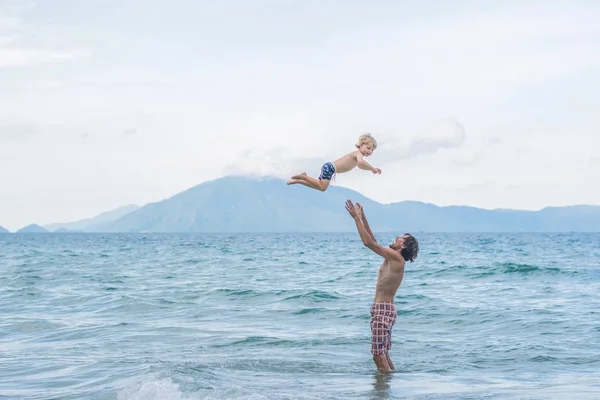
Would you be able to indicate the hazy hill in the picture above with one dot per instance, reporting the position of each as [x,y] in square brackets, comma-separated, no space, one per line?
[4,230]
[33,228]
[94,223]
[240,204]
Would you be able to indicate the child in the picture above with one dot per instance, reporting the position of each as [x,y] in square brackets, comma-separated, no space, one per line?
[366,144]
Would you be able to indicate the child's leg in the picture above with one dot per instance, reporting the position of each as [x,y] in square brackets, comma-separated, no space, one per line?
[327,172]
[306,180]
[301,182]
[299,176]
[319,184]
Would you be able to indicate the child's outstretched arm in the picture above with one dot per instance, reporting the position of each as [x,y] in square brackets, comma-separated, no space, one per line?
[364,165]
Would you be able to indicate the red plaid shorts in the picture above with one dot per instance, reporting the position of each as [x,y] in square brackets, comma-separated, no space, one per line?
[383,318]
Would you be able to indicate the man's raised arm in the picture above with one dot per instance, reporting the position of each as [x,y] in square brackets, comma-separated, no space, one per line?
[367,239]
[365,222]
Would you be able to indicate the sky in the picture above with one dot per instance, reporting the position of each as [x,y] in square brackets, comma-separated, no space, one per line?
[105,103]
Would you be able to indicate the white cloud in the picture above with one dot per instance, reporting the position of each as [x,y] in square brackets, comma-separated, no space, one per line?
[468,160]
[8,24]
[23,56]
[18,45]
[16,132]
[445,134]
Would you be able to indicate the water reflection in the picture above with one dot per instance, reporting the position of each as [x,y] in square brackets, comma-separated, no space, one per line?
[381,386]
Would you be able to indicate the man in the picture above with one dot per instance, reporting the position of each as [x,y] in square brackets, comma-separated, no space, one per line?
[383,311]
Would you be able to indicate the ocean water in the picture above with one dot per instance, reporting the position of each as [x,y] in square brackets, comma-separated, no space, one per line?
[286,316]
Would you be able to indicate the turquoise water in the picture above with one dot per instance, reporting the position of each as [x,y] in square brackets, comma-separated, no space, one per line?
[151,316]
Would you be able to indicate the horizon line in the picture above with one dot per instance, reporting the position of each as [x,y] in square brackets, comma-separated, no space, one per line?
[392,232]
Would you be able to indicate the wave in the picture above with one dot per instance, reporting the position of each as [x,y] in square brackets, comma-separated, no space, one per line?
[484,271]
[305,311]
[514,268]
[315,295]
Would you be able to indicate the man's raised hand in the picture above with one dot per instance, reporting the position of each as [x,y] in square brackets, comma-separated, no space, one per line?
[359,207]
[355,212]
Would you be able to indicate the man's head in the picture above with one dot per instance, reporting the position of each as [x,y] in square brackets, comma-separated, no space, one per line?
[407,245]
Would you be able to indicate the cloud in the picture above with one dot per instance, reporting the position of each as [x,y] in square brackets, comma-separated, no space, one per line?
[528,186]
[17,132]
[475,187]
[445,134]
[468,160]
[49,84]
[18,57]
[18,45]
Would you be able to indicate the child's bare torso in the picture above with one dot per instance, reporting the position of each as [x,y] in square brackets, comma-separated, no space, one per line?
[346,162]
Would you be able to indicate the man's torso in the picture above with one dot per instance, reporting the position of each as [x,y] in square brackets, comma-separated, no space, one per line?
[388,280]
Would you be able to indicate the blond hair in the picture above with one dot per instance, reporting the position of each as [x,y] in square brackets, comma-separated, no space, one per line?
[366,138]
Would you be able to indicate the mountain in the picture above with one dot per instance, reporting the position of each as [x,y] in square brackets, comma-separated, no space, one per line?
[4,230]
[241,204]
[95,223]
[33,228]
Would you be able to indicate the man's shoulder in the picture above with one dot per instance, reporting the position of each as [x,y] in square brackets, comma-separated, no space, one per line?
[395,256]
[396,262]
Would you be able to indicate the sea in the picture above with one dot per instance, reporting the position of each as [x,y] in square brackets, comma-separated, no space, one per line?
[286,316]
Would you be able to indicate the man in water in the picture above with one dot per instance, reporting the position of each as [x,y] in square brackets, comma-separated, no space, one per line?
[383,311]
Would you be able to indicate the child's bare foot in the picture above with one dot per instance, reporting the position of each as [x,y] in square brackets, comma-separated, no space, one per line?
[293,182]
[299,176]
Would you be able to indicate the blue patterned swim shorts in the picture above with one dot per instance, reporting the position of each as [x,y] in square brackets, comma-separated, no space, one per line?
[327,171]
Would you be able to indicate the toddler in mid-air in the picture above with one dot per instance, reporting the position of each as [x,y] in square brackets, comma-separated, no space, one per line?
[365,146]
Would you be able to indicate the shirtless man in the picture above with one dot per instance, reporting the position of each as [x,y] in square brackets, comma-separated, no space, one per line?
[383,311]
[365,146]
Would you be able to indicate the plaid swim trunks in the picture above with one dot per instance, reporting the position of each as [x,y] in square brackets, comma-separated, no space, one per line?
[383,318]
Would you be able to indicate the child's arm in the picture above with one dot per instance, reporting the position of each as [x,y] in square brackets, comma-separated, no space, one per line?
[362,163]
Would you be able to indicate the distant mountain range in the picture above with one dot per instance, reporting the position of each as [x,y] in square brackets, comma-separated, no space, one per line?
[4,230]
[96,223]
[33,228]
[243,204]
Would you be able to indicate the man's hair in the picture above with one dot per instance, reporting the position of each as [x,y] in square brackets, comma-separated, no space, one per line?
[411,248]
[366,138]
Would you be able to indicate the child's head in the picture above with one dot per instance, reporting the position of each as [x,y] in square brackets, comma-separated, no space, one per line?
[366,144]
